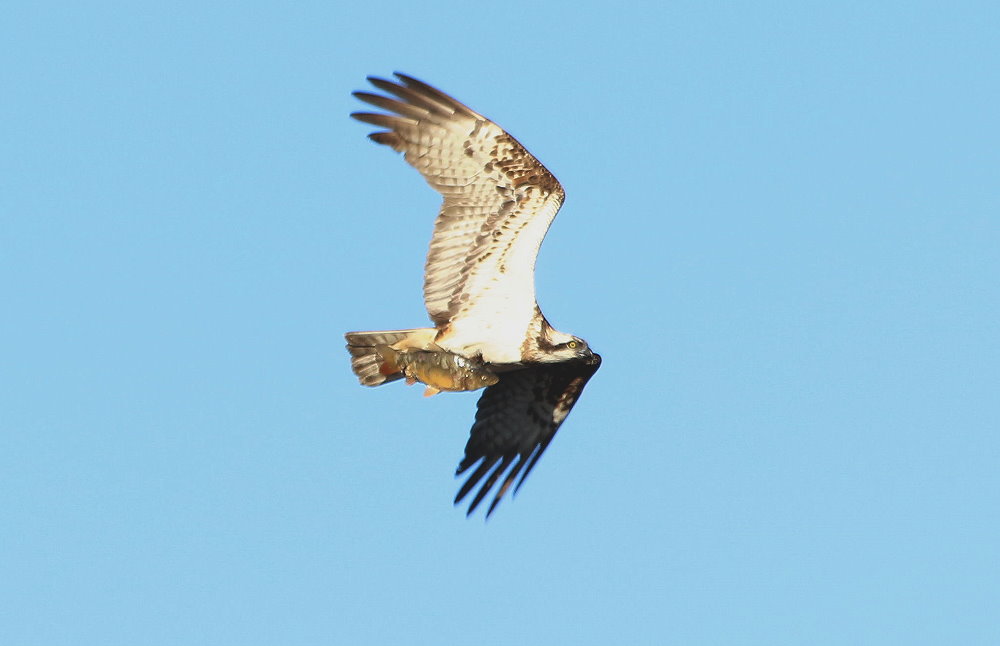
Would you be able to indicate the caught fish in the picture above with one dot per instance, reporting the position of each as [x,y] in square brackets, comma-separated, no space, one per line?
[437,370]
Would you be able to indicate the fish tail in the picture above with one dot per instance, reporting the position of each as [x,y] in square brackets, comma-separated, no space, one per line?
[374,356]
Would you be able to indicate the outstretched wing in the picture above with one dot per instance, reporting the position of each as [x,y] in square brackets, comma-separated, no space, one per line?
[498,200]
[516,420]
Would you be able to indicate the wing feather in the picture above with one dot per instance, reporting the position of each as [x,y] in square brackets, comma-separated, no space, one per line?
[515,422]
[499,200]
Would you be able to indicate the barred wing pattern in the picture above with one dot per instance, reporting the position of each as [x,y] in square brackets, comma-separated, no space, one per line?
[515,422]
[498,200]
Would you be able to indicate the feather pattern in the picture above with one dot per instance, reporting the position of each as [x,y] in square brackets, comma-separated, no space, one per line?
[515,422]
[498,204]
[479,286]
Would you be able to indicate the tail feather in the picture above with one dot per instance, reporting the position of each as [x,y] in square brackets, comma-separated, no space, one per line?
[372,353]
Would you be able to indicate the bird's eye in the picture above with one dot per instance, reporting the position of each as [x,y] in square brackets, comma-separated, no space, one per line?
[572,345]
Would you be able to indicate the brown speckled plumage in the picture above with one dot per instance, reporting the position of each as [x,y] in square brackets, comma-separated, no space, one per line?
[498,203]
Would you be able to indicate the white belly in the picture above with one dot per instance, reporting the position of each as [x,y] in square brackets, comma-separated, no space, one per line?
[497,339]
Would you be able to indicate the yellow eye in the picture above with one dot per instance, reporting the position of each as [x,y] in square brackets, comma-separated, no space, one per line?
[571,345]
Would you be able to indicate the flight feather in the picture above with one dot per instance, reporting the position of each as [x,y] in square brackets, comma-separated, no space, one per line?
[498,200]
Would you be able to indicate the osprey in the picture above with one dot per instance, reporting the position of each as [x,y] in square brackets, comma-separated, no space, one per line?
[479,286]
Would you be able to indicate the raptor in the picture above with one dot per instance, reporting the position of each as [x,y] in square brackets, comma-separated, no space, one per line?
[479,286]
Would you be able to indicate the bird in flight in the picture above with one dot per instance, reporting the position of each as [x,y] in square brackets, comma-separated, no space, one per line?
[479,286]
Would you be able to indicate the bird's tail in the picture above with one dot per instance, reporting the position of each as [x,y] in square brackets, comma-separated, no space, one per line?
[373,354]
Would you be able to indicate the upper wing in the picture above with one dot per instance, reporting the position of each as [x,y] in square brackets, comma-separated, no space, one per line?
[498,199]
[516,420]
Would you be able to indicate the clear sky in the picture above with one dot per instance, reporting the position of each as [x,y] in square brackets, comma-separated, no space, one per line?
[782,233]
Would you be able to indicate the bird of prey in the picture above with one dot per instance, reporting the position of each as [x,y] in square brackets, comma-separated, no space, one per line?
[479,286]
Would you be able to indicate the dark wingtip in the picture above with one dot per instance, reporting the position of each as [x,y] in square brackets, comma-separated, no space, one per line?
[410,81]
[493,505]
[414,82]
[484,466]
[384,138]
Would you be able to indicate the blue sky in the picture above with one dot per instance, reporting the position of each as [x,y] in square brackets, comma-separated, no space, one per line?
[781,232]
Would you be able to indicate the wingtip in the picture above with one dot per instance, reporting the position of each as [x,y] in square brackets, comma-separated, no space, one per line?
[493,505]
[458,501]
[384,138]
[414,82]
[409,81]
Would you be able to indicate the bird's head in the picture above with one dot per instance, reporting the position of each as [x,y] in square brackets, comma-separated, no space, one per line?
[559,346]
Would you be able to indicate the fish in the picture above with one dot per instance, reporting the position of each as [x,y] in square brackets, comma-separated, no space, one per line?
[439,371]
